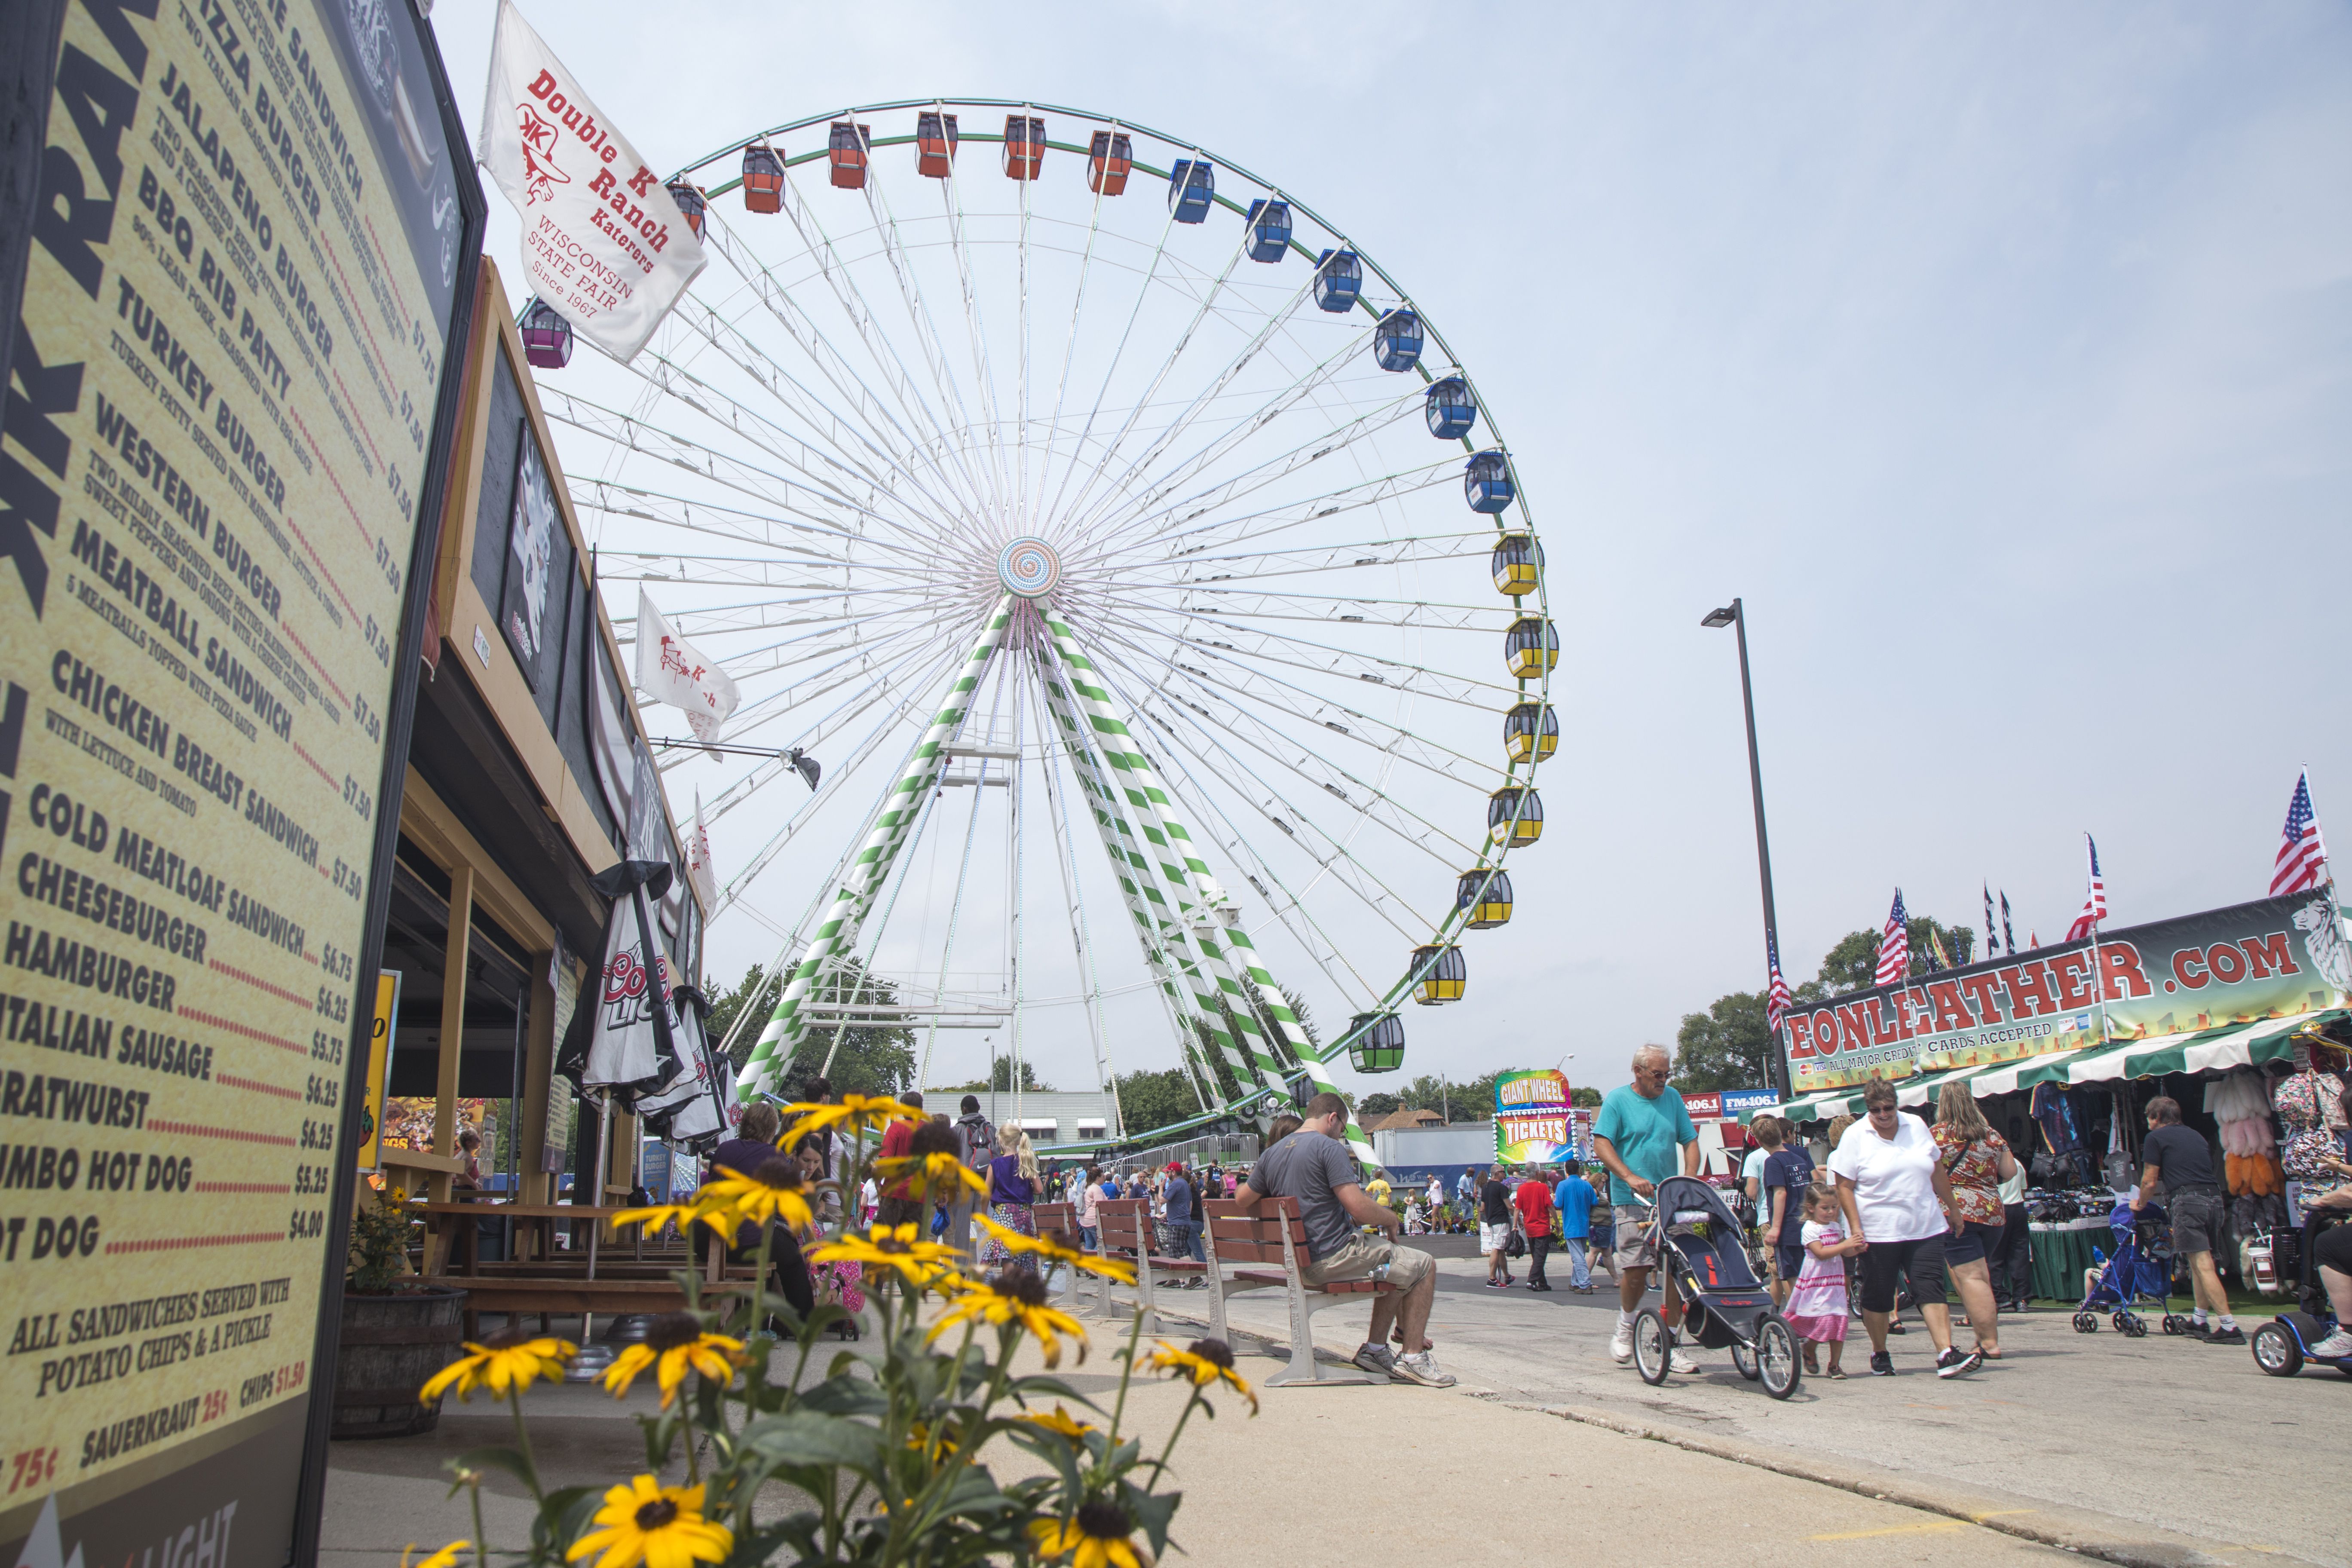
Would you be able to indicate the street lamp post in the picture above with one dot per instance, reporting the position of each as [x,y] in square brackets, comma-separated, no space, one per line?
[1735,616]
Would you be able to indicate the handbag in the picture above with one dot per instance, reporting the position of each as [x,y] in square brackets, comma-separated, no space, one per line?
[1517,1247]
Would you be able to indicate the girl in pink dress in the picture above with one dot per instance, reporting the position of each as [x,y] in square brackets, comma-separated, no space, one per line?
[1816,1308]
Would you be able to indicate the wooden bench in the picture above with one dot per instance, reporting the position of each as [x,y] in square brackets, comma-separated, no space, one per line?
[1249,1244]
[1128,1233]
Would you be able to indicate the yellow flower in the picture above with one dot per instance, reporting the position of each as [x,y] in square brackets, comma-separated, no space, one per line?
[660,1526]
[920,1437]
[503,1363]
[444,1558]
[1013,1297]
[1061,1421]
[655,1218]
[675,1344]
[1099,1535]
[772,1191]
[1203,1363]
[1115,1268]
[852,1110]
[919,1263]
[935,1175]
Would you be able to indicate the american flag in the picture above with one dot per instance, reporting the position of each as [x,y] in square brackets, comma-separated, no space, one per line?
[1894,945]
[1776,997]
[2303,855]
[2095,903]
[1992,936]
[2009,932]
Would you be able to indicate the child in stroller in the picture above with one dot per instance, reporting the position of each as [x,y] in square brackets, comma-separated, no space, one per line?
[2319,1331]
[1702,1251]
[2139,1274]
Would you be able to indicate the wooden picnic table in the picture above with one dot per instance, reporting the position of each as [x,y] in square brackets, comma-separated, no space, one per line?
[542,1219]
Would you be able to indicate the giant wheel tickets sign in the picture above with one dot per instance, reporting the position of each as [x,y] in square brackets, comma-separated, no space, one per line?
[2272,958]
[246,243]
[1532,1122]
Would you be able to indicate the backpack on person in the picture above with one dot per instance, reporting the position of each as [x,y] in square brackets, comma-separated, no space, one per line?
[977,1134]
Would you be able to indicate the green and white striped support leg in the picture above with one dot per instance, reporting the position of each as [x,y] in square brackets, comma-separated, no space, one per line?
[1163,935]
[1154,807]
[781,1039]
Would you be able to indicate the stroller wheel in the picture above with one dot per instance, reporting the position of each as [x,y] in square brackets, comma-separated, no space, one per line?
[2276,1351]
[2121,1319]
[2174,1324]
[2086,1323]
[1777,1363]
[2134,1326]
[1652,1345]
[1743,1357]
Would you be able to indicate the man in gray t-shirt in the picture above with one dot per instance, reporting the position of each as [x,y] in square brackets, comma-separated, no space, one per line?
[1313,1166]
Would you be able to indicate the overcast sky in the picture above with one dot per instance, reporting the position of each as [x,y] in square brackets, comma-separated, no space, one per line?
[1996,354]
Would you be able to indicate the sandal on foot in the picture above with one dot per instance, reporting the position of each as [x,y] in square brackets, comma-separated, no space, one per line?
[1835,1374]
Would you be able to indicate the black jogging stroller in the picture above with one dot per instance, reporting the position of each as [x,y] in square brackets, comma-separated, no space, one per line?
[1700,1250]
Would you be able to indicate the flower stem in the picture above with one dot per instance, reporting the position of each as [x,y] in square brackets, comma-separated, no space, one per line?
[481,1546]
[523,1441]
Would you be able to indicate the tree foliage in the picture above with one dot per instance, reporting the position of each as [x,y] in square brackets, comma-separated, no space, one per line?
[1852,963]
[877,1055]
[1378,1105]
[1147,1100]
[999,1080]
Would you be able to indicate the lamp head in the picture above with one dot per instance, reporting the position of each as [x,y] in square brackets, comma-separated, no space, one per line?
[1721,617]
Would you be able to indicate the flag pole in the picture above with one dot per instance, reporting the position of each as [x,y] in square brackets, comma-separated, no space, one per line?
[2098,973]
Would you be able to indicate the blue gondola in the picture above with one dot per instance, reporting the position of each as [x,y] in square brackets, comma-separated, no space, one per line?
[763,179]
[1486,481]
[1269,223]
[1191,186]
[1338,279]
[1396,342]
[1451,409]
[692,202]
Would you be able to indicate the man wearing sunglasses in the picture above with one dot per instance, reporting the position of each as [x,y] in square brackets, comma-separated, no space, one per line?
[1643,1134]
[1897,1198]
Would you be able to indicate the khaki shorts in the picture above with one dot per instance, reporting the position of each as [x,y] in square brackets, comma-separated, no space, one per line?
[1635,1247]
[1373,1257]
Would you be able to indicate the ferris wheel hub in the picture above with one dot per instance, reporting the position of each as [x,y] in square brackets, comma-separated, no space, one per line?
[1029,567]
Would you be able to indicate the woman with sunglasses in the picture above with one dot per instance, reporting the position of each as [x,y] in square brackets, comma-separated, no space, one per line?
[1896,1197]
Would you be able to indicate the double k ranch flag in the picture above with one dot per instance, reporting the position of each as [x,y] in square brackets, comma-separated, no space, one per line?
[670,670]
[602,239]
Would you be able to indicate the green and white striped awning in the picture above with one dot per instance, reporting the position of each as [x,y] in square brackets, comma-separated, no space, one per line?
[2202,1050]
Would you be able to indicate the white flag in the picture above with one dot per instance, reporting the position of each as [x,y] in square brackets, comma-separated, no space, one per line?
[699,870]
[603,242]
[670,670]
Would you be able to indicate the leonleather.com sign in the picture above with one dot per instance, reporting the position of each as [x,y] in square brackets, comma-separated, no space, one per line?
[2267,959]
[239,273]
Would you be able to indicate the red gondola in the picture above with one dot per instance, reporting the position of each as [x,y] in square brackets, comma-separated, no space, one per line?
[848,147]
[935,145]
[763,180]
[1024,146]
[1111,160]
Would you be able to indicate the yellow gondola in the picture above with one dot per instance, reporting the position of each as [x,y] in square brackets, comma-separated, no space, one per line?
[1504,805]
[1530,732]
[1485,893]
[1378,1042]
[1530,647]
[1442,980]
[1518,561]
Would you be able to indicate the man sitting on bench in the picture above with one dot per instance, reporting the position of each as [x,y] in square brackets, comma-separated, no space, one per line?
[1312,1165]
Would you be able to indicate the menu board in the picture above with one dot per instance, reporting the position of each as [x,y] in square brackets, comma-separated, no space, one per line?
[249,249]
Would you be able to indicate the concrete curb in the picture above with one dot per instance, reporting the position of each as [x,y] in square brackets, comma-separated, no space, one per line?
[2079,1531]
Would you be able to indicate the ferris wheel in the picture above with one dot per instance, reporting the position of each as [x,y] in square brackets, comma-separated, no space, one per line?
[1085,498]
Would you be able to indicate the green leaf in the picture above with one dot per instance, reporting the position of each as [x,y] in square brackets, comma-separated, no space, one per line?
[1152,1512]
[806,1436]
[506,1459]
[845,1396]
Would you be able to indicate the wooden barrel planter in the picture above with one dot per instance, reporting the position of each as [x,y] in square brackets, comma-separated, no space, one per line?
[390,1346]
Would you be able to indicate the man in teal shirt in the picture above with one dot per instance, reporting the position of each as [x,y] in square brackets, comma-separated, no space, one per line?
[1643,1135]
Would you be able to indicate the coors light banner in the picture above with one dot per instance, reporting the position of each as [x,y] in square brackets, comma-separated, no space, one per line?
[602,240]
[2272,958]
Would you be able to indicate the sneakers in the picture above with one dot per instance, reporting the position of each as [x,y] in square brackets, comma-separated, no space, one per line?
[1882,1364]
[1679,1363]
[1377,1359]
[2233,1335]
[2335,1347]
[1421,1368]
[1620,1345]
[1954,1362]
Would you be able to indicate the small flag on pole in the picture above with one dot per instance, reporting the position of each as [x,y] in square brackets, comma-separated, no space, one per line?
[1941,956]
[2033,938]
[2303,855]
[1894,945]
[1776,997]
[1992,935]
[2008,932]
[2094,901]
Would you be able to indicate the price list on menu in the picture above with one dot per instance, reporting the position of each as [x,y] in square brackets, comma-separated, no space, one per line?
[238,289]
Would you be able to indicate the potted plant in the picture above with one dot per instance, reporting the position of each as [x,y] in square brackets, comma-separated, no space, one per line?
[395,1333]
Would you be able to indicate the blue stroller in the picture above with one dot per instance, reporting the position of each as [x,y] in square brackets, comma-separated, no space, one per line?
[2139,1275]
[1704,1260]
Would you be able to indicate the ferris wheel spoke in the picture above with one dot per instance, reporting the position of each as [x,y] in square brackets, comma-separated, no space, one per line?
[976,332]
[1070,341]
[1066,866]
[880,683]
[736,524]
[1376,493]
[1419,679]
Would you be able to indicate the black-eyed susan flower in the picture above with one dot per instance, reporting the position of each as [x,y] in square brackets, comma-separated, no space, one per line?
[1100,1534]
[774,1191]
[935,1175]
[1013,1297]
[658,1217]
[503,1363]
[1116,1268]
[675,1344]
[444,1558]
[920,1264]
[663,1526]
[1059,1421]
[852,1110]
[1203,1362]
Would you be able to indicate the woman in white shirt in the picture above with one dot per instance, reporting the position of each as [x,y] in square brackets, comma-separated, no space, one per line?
[1896,1198]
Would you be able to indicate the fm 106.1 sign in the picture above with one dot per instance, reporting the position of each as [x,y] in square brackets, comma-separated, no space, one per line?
[2272,958]
[230,296]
